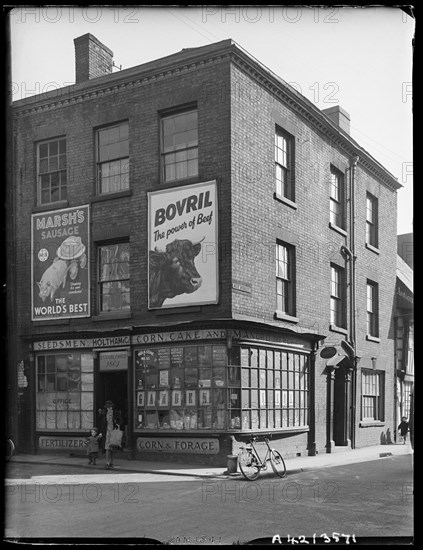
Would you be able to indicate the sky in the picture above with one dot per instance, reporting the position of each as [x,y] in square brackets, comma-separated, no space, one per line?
[358,58]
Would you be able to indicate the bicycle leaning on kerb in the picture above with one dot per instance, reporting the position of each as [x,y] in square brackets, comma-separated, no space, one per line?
[251,464]
[9,449]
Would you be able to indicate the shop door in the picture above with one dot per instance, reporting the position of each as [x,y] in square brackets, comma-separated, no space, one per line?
[340,406]
[113,386]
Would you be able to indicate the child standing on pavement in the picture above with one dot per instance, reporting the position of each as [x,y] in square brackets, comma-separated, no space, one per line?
[92,443]
[403,429]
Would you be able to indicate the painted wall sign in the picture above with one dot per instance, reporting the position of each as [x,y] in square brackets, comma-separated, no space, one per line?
[178,336]
[178,445]
[110,361]
[73,343]
[183,246]
[55,442]
[60,278]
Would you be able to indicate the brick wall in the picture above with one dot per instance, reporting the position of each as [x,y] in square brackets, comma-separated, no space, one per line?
[126,215]
[259,220]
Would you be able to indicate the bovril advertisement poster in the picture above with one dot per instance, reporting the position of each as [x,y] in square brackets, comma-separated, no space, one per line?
[183,246]
[60,264]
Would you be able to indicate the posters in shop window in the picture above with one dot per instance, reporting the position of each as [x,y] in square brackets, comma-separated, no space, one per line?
[183,246]
[60,278]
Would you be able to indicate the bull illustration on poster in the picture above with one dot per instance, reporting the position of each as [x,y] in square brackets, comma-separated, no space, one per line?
[182,256]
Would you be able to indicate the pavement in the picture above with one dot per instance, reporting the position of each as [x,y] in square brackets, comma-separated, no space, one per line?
[293,465]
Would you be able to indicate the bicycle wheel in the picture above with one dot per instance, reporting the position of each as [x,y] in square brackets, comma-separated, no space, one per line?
[278,463]
[248,465]
[10,449]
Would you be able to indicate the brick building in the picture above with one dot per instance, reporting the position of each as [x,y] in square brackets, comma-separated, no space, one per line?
[196,241]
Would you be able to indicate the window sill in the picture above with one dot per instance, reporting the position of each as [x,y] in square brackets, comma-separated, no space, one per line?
[111,196]
[106,316]
[371,338]
[50,206]
[371,423]
[286,201]
[178,183]
[338,229]
[372,248]
[285,317]
[335,328]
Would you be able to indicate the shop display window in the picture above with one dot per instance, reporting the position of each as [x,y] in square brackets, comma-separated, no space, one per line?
[65,392]
[206,387]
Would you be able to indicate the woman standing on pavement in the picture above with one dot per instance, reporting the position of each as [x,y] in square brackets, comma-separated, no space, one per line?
[110,418]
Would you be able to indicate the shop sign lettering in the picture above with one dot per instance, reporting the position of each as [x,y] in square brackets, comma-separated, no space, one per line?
[82,343]
[51,442]
[113,360]
[177,445]
[178,336]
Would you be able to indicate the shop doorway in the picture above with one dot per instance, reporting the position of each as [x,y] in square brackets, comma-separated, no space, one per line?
[113,386]
[341,406]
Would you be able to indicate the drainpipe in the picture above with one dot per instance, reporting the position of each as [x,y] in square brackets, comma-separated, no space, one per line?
[350,252]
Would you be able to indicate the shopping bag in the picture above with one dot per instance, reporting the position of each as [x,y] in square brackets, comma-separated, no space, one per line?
[116,437]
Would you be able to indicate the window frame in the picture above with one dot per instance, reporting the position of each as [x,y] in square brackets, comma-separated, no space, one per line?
[166,115]
[272,389]
[202,388]
[372,221]
[284,189]
[61,172]
[289,307]
[372,315]
[339,201]
[338,314]
[100,282]
[82,391]
[373,400]
[119,158]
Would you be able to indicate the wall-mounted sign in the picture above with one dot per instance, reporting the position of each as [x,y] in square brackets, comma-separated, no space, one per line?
[73,343]
[178,445]
[328,352]
[183,246]
[110,361]
[55,442]
[60,278]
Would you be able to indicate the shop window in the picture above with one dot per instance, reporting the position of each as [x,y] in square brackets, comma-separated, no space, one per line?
[179,145]
[51,171]
[113,277]
[196,382]
[113,159]
[64,398]
[275,395]
[372,395]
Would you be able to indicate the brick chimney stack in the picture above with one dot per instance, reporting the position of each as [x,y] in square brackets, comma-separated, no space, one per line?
[339,116]
[92,58]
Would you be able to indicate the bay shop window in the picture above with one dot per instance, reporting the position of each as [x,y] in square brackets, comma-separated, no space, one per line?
[202,388]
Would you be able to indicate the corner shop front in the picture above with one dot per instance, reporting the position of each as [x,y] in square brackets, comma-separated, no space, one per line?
[187,395]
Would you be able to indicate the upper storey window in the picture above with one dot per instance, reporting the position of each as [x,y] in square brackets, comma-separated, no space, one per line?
[179,145]
[51,171]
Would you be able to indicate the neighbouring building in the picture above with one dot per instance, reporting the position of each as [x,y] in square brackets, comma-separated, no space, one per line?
[404,338]
[196,241]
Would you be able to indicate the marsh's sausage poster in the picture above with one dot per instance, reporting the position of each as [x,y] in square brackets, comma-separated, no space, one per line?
[60,264]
